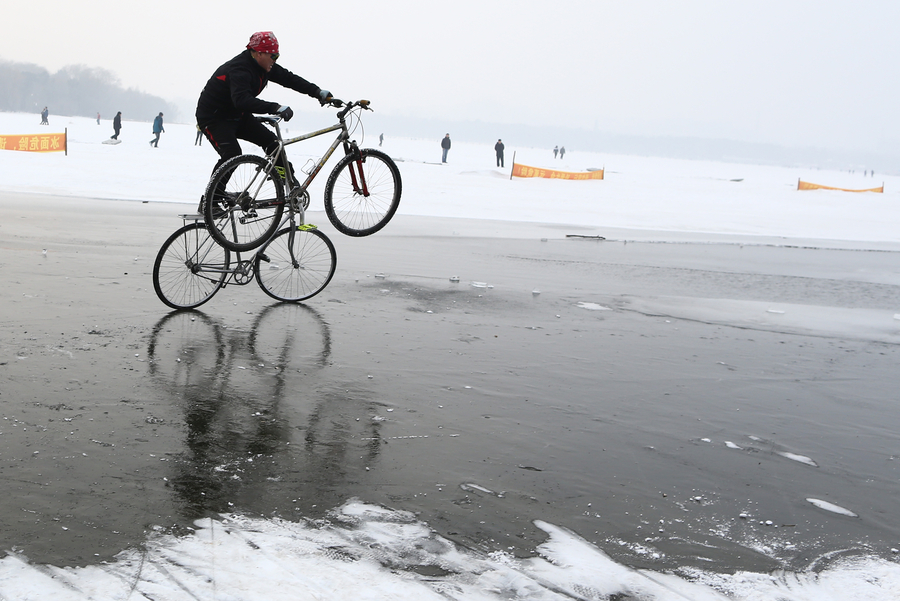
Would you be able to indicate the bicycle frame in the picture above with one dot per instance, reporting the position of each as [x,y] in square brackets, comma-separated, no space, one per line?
[358,180]
[296,213]
[291,180]
[239,269]
[293,208]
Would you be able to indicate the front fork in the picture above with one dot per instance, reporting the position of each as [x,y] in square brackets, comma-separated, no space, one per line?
[293,232]
[357,175]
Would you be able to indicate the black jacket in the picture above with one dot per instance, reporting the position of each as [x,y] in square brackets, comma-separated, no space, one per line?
[233,89]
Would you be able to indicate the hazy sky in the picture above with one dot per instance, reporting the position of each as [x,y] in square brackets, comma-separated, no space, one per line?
[799,73]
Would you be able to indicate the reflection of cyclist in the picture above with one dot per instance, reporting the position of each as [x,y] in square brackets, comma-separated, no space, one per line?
[229,99]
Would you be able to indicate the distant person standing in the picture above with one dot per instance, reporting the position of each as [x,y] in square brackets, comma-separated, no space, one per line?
[98,118]
[157,130]
[380,139]
[555,151]
[44,114]
[445,144]
[499,148]
[117,125]
[562,152]
[198,140]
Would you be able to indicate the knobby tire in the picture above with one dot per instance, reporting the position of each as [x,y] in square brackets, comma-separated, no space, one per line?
[355,211]
[244,202]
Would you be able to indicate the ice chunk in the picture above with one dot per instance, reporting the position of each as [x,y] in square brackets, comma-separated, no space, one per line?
[800,458]
[593,307]
[832,507]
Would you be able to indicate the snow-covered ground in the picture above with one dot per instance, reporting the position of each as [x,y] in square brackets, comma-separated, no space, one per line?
[366,552]
[638,192]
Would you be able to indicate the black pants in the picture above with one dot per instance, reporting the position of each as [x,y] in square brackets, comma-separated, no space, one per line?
[224,135]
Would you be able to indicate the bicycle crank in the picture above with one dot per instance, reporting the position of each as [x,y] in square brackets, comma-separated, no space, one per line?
[243,273]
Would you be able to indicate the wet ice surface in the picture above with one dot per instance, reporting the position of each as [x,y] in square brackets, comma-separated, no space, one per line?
[860,323]
[679,449]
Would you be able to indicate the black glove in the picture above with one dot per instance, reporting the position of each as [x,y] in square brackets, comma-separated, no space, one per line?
[285,112]
[324,97]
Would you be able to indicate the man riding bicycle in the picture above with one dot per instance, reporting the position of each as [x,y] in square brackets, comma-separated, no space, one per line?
[229,99]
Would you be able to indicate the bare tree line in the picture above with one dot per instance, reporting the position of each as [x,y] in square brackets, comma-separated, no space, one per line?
[75,90]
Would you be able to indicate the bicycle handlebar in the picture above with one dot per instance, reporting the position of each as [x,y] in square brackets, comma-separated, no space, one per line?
[349,106]
[334,102]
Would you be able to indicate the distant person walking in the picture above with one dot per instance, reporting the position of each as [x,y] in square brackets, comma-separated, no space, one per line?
[562,152]
[117,125]
[445,144]
[499,148]
[157,130]
[555,151]
[44,114]
[380,139]
[198,140]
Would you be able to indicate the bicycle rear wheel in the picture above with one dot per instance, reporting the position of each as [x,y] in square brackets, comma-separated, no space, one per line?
[363,193]
[244,202]
[296,264]
[179,273]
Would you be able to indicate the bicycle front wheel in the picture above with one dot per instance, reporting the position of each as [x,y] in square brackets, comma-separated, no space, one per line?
[244,202]
[363,193]
[190,268]
[296,265]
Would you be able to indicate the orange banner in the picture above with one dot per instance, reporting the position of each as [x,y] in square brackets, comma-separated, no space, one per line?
[526,171]
[34,143]
[801,185]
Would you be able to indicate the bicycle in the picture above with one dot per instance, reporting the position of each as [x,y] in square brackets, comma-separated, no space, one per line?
[293,264]
[246,195]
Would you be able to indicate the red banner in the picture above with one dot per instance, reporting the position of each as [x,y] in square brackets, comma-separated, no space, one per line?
[34,143]
[526,171]
[801,185]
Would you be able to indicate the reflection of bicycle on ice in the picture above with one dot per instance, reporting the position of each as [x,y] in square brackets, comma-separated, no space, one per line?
[236,390]
[245,394]
[192,350]
[244,209]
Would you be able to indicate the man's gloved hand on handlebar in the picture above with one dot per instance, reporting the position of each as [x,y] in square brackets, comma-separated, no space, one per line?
[285,112]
